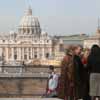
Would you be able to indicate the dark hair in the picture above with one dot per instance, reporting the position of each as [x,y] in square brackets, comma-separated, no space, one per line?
[51,67]
[95,50]
[94,59]
[51,76]
[69,52]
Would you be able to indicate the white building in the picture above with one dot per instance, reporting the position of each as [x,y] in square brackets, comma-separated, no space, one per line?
[95,39]
[28,43]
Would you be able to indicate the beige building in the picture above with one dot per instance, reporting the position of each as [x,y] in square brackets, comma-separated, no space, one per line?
[28,43]
[95,39]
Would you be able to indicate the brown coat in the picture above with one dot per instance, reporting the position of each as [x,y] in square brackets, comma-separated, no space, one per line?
[66,79]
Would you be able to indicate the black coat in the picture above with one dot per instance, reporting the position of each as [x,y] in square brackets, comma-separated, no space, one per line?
[93,64]
[79,77]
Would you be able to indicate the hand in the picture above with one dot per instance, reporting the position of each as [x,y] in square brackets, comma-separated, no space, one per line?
[48,92]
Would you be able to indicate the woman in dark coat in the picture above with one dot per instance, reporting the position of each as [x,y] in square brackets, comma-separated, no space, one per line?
[78,74]
[93,65]
[86,73]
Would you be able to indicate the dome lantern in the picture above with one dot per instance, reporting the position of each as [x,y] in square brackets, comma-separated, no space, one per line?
[28,11]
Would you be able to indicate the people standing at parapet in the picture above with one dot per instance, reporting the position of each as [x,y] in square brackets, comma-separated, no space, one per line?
[52,83]
[93,65]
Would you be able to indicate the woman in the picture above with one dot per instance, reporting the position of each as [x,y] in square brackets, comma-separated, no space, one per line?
[93,65]
[80,90]
[86,74]
[66,90]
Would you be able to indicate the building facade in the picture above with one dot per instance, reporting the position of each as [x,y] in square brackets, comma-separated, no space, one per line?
[95,39]
[28,43]
[66,41]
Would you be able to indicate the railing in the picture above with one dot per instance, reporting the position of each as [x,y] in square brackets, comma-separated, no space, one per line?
[36,71]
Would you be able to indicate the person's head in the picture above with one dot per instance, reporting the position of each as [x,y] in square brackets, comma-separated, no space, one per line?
[95,50]
[86,53]
[51,68]
[69,51]
[77,50]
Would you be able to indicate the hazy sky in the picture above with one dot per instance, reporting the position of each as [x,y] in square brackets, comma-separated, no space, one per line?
[55,16]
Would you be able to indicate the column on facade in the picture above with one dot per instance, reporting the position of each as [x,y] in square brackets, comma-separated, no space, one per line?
[6,55]
[50,51]
[1,52]
[18,53]
[27,53]
[31,30]
[43,53]
[12,51]
[32,52]
[23,53]
[38,52]
[1,57]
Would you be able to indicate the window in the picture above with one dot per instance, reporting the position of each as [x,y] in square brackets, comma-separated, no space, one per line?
[35,56]
[47,55]
[15,57]
[47,41]
[29,57]
[35,41]
[61,48]
[28,31]
[3,40]
[23,30]
[25,57]
[33,31]
[40,55]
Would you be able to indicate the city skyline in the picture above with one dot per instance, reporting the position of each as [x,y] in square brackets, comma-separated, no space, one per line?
[61,17]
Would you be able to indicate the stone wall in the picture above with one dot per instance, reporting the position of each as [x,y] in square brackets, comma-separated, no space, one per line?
[31,81]
[18,87]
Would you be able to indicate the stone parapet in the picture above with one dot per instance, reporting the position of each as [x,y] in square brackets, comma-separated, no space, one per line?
[30,99]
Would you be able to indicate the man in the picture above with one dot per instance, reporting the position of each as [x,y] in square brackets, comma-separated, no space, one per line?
[78,74]
[52,83]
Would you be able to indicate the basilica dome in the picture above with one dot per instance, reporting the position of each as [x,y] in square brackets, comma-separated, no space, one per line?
[29,23]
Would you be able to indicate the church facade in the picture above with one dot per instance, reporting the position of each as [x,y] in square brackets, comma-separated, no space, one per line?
[28,43]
